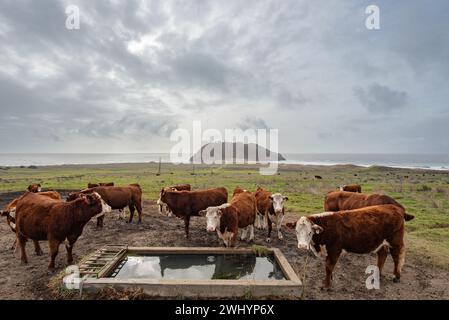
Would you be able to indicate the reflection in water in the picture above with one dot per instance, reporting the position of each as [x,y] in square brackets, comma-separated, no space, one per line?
[199,267]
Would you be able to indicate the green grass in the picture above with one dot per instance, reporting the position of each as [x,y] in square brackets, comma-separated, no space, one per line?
[424,194]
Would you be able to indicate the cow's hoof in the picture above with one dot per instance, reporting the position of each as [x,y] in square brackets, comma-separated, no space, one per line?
[324,288]
[396,280]
[39,253]
[268,240]
[23,262]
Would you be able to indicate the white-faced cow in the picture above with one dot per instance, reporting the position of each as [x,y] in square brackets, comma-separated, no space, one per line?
[351,188]
[228,218]
[270,209]
[185,204]
[176,187]
[376,229]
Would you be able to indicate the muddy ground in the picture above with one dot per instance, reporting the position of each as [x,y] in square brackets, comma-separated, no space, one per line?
[419,280]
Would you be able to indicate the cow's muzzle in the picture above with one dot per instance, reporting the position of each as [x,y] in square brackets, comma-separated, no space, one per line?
[210,229]
[303,246]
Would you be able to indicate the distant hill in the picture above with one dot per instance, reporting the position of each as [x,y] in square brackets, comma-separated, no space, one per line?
[251,152]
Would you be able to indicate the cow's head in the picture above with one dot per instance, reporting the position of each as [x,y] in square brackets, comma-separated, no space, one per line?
[277,201]
[94,200]
[305,230]
[341,188]
[213,215]
[73,196]
[34,188]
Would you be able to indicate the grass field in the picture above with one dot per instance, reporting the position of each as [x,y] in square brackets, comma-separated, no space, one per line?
[425,194]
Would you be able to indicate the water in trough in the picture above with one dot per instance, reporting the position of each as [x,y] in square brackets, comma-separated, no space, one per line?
[199,267]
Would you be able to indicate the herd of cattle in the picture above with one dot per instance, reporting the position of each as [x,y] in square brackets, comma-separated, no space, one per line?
[352,221]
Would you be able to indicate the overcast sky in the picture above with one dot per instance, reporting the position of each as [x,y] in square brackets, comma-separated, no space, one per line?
[136,70]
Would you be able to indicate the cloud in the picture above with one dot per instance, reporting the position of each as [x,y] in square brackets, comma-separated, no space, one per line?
[137,69]
[379,98]
[135,126]
[252,123]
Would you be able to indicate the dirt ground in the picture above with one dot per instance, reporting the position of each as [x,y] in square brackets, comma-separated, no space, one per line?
[419,280]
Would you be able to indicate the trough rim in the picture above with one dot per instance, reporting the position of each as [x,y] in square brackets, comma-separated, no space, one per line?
[224,287]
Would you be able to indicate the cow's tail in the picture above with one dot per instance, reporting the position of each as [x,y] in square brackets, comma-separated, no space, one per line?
[408,217]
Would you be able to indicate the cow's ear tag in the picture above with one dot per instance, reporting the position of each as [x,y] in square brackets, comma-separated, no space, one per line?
[317,229]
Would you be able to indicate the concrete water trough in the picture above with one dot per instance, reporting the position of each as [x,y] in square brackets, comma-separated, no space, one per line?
[192,272]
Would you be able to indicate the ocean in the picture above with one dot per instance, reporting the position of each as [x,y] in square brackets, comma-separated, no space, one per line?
[412,161]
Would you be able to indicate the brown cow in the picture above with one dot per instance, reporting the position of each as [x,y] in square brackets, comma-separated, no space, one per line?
[238,190]
[101,184]
[35,187]
[185,204]
[342,200]
[176,187]
[106,184]
[10,210]
[41,218]
[270,208]
[371,229]
[228,218]
[351,188]
[116,198]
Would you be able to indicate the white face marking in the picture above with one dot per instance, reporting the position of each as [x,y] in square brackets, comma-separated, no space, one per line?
[278,202]
[105,208]
[341,188]
[304,232]
[213,215]
[39,189]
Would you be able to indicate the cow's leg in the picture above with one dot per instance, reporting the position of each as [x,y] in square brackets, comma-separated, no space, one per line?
[166,211]
[257,221]
[243,235]
[69,247]
[132,209]
[54,247]
[270,227]
[233,240]
[14,245]
[100,221]
[251,235]
[381,257]
[37,248]
[398,254]
[265,221]
[21,241]
[279,225]
[139,211]
[331,261]
[186,225]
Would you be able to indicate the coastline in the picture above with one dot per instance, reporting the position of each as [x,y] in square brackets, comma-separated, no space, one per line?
[283,165]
